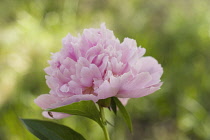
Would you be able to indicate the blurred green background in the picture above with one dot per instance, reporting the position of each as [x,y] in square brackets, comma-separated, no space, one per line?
[176,33]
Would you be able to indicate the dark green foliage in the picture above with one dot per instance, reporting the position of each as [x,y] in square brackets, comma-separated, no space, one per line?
[46,130]
[113,106]
[124,112]
[83,108]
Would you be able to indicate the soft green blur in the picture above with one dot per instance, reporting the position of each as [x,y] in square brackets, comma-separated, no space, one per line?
[176,33]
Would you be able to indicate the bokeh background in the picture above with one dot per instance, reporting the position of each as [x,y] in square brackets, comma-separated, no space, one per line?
[176,33]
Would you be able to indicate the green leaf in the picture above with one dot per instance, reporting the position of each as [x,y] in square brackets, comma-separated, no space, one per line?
[124,113]
[109,123]
[113,106]
[46,130]
[83,108]
[104,102]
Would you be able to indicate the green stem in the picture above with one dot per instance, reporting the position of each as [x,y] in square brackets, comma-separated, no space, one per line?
[106,133]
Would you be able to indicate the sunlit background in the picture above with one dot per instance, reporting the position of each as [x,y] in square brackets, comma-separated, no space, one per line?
[176,33]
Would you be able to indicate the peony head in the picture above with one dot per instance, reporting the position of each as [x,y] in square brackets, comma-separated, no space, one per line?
[95,66]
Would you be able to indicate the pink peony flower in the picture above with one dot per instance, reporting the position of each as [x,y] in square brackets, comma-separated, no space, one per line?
[94,66]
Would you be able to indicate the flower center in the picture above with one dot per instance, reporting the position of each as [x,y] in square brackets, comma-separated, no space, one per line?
[89,90]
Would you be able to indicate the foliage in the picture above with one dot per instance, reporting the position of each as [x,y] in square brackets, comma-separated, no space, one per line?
[83,108]
[46,130]
[124,113]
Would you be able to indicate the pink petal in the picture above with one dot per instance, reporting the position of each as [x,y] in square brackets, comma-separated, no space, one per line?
[54,115]
[86,77]
[106,90]
[124,101]
[46,101]
[139,93]
[139,81]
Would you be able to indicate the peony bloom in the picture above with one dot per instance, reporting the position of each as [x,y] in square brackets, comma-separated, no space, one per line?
[94,66]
